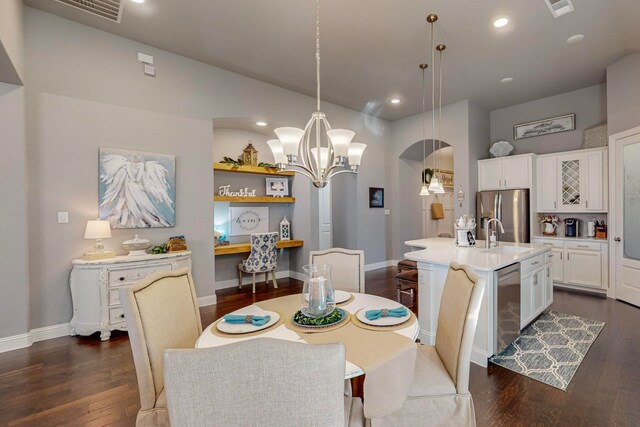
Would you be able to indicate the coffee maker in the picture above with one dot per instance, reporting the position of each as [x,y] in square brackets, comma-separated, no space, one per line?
[571,227]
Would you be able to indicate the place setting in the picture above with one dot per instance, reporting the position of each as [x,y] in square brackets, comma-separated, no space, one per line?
[246,322]
[389,317]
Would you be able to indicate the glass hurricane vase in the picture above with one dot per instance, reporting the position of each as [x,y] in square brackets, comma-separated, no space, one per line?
[318,299]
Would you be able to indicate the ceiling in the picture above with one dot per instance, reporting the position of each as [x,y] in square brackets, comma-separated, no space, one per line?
[370,49]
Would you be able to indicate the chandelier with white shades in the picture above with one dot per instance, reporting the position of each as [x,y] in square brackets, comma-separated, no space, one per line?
[317,154]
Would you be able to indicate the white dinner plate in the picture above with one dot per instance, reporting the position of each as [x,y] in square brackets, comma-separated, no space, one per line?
[245,328]
[340,296]
[383,321]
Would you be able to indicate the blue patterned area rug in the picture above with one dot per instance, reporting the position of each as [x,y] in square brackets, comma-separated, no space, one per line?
[551,349]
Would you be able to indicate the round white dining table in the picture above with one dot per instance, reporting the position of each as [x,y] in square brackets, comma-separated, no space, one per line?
[359,301]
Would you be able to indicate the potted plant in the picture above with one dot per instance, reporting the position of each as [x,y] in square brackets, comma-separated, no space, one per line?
[550,223]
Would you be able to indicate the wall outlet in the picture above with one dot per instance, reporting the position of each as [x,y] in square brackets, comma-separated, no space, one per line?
[63,217]
[387,211]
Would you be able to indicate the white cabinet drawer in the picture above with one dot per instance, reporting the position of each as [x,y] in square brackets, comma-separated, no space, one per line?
[125,276]
[116,314]
[114,297]
[554,243]
[583,246]
[531,263]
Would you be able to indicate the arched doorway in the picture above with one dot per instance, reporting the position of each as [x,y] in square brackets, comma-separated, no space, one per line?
[417,209]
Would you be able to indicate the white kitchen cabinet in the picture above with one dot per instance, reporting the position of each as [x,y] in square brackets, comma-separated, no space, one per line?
[548,283]
[578,263]
[583,267]
[547,181]
[95,288]
[533,287]
[557,264]
[504,173]
[573,181]
[594,187]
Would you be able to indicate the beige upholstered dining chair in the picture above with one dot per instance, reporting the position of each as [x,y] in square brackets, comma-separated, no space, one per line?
[347,267]
[262,259]
[439,394]
[260,382]
[161,312]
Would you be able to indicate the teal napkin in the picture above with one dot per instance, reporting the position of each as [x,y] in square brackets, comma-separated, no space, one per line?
[252,319]
[385,312]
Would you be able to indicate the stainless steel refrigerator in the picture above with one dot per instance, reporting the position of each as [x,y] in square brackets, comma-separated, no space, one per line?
[511,207]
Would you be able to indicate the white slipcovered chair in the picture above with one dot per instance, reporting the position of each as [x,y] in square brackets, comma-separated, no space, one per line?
[161,312]
[260,382]
[347,267]
[439,394]
[262,259]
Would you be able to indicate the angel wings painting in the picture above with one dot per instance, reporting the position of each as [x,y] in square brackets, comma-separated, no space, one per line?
[137,190]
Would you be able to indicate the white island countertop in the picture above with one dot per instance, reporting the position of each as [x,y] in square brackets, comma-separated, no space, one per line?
[443,251]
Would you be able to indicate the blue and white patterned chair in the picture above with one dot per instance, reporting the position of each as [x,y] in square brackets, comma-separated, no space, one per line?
[262,259]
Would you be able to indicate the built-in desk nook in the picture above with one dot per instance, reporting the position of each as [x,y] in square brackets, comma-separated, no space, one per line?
[248,187]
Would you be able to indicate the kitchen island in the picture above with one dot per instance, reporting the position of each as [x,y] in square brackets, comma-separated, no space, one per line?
[434,256]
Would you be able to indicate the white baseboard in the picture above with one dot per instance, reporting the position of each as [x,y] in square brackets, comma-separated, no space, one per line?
[383,264]
[207,300]
[39,334]
[15,342]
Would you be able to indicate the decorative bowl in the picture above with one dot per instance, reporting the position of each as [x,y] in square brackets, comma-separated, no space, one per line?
[501,149]
[136,246]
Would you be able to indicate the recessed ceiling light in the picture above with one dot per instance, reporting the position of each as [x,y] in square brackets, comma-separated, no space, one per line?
[575,39]
[138,1]
[261,123]
[395,101]
[501,22]
[507,80]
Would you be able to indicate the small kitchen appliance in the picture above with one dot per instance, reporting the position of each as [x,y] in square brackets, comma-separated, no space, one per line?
[571,227]
[591,228]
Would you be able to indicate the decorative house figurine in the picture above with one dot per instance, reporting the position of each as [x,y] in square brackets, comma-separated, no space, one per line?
[250,155]
[285,229]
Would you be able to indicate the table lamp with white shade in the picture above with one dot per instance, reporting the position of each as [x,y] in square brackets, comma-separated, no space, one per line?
[97,229]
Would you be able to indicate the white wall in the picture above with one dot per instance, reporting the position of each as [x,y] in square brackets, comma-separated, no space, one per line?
[11,42]
[86,90]
[623,94]
[589,105]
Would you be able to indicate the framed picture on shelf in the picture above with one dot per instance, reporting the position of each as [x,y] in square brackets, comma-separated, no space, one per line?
[376,197]
[246,220]
[277,187]
[446,177]
[545,126]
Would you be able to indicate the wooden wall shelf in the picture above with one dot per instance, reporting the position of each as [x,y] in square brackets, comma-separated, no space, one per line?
[241,248]
[223,167]
[263,199]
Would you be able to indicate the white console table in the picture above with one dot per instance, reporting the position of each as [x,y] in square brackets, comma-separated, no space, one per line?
[95,288]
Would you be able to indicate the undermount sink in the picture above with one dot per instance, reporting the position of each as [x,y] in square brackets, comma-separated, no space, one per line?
[506,250]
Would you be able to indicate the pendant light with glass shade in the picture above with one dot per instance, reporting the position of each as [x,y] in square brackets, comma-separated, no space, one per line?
[424,190]
[434,186]
[440,48]
[317,155]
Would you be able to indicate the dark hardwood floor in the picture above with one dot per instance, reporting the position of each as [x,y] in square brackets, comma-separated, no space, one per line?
[82,381]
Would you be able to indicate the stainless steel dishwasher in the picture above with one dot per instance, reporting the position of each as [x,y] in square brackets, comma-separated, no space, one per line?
[507,311]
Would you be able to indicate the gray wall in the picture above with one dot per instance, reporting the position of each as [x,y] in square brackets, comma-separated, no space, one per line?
[86,90]
[11,42]
[479,130]
[623,94]
[406,204]
[14,284]
[589,105]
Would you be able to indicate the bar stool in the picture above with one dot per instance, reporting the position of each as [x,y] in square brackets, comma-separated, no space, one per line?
[406,264]
[407,284]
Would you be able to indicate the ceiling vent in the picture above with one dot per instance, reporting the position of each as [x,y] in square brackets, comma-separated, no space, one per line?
[107,9]
[559,7]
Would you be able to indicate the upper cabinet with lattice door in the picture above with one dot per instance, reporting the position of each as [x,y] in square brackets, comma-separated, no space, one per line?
[574,181]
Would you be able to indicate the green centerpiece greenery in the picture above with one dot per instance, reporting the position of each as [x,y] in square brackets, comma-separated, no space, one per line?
[301,319]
